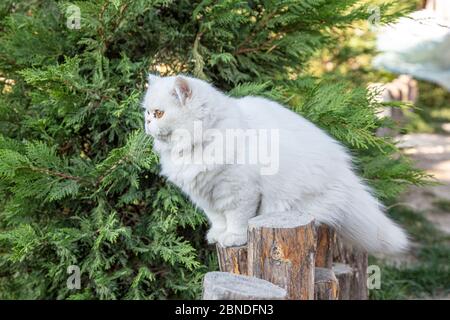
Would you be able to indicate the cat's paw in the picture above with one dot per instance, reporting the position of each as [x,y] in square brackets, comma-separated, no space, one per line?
[230,239]
[213,234]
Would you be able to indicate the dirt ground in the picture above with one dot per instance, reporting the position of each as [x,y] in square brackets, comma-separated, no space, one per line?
[431,152]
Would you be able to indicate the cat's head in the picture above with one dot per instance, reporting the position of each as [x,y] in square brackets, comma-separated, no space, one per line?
[176,102]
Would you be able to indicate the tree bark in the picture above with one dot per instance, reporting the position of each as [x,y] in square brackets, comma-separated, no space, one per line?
[232,259]
[344,275]
[326,285]
[356,259]
[326,237]
[281,249]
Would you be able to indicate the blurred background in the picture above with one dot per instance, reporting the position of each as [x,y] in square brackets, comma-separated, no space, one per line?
[408,61]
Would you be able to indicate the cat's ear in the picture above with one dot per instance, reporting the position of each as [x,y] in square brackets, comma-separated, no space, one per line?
[152,78]
[182,89]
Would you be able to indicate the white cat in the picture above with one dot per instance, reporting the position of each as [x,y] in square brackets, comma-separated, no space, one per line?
[313,175]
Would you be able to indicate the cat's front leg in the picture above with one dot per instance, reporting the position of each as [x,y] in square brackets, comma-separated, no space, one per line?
[218,226]
[236,232]
[237,224]
[235,196]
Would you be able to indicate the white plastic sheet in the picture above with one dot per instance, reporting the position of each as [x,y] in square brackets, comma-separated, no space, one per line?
[418,45]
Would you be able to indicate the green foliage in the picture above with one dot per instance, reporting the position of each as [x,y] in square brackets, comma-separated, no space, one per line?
[79,182]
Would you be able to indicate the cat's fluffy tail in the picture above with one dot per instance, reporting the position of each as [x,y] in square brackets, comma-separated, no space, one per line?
[365,224]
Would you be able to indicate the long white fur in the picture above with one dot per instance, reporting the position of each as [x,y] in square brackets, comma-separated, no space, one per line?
[315,173]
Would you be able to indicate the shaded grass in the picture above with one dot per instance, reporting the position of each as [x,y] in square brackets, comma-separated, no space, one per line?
[417,226]
[443,205]
[430,275]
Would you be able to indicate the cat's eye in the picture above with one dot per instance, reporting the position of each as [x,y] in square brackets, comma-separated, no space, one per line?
[158,114]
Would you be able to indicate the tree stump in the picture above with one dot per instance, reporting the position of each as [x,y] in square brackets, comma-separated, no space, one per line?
[326,238]
[232,259]
[281,249]
[344,275]
[326,285]
[356,259]
[228,286]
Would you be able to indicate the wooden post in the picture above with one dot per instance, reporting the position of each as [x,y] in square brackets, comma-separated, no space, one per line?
[281,249]
[228,286]
[326,238]
[326,285]
[356,259]
[344,275]
[232,259]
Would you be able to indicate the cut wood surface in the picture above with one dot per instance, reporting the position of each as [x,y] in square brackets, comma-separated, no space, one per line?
[281,249]
[228,286]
